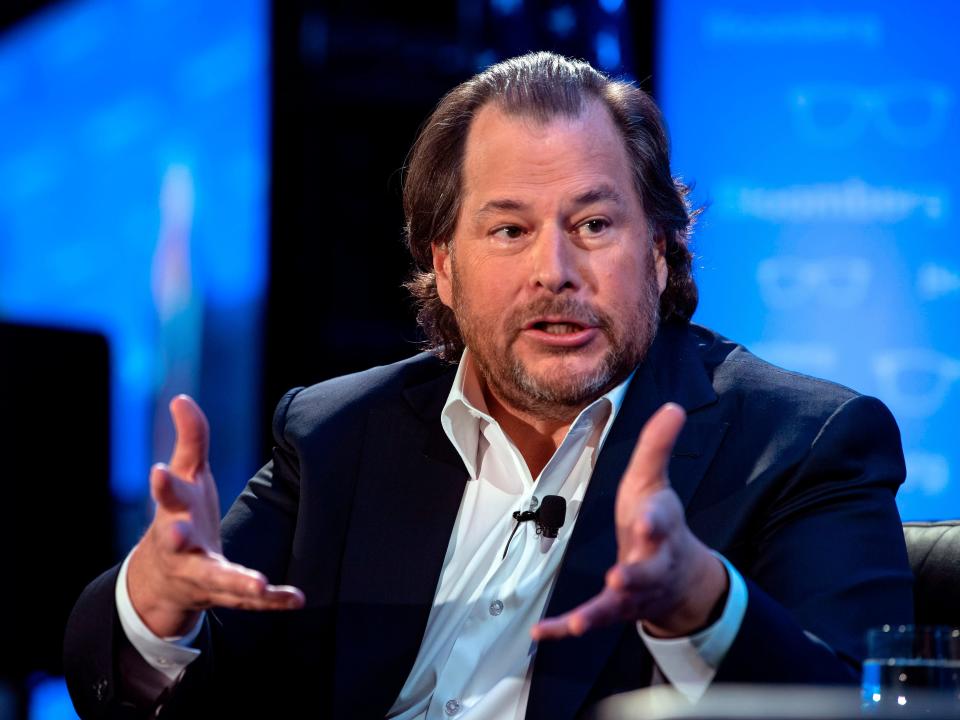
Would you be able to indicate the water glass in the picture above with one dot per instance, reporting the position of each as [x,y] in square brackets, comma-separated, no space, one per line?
[908,665]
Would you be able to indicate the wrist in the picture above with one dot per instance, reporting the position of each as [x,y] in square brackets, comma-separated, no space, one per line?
[162,617]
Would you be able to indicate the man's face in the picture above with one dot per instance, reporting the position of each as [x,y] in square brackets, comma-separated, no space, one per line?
[551,273]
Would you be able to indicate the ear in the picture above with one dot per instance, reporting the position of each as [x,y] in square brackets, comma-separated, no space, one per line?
[443,272]
[659,247]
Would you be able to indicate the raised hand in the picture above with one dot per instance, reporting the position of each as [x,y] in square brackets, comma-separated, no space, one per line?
[664,575]
[178,569]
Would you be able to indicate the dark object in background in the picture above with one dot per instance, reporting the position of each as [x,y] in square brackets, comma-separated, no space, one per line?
[56,525]
[13,11]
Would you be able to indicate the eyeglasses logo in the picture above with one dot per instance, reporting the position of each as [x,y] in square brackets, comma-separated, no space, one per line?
[915,381]
[934,281]
[788,282]
[908,115]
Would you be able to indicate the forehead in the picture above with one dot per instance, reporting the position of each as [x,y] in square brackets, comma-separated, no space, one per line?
[517,155]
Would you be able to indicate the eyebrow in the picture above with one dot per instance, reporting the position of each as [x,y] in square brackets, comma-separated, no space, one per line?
[600,193]
[506,204]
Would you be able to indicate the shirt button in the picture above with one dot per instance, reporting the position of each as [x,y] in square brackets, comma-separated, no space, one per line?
[534,502]
[452,707]
[496,607]
[161,661]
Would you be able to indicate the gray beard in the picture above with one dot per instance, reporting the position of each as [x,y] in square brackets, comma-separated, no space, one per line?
[562,398]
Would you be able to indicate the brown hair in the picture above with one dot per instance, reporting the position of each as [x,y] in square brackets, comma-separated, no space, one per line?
[540,86]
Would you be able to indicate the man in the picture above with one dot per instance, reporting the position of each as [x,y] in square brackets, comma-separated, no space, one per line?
[551,246]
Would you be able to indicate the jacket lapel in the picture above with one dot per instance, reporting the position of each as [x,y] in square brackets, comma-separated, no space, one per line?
[682,378]
[565,671]
[408,492]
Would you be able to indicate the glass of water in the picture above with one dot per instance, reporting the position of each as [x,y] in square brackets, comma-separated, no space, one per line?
[908,665]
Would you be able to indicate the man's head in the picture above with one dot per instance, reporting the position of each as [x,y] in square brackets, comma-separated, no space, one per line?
[546,228]
[538,86]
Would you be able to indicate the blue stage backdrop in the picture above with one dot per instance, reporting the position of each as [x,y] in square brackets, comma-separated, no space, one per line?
[134,166]
[823,142]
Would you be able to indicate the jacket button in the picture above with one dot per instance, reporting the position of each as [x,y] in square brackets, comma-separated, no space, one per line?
[100,689]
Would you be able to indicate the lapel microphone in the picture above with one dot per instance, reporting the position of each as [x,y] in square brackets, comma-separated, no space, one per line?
[549,518]
[550,515]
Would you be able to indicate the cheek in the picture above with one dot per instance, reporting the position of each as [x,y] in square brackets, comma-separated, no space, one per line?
[625,275]
[627,285]
[490,283]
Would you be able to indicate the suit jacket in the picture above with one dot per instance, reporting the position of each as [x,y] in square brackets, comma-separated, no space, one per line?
[791,478]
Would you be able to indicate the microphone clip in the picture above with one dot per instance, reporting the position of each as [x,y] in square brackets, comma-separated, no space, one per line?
[548,517]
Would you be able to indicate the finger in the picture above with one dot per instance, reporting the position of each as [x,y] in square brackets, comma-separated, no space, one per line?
[217,575]
[242,587]
[556,628]
[293,595]
[193,437]
[601,610]
[169,491]
[638,578]
[647,470]
[643,526]
[662,515]
[221,575]
[274,600]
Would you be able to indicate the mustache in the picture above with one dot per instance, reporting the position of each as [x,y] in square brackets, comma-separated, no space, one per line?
[567,307]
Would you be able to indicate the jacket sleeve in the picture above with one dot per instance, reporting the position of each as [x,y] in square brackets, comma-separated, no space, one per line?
[827,560]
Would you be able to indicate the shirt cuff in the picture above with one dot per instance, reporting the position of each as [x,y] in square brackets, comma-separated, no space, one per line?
[689,663]
[169,655]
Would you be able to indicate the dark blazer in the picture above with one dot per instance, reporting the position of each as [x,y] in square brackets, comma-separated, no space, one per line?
[791,478]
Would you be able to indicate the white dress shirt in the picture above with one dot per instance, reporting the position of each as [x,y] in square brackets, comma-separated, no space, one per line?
[475,660]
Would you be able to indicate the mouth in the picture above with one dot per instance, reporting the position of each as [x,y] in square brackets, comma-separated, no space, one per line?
[556,328]
[560,331]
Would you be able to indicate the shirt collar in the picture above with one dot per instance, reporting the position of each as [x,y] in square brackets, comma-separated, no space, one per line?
[466,408]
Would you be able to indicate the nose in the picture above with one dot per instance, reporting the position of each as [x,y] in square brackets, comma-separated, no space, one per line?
[555,261]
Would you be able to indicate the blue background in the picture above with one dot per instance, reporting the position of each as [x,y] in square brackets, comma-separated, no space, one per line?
[134,166]
[822,141]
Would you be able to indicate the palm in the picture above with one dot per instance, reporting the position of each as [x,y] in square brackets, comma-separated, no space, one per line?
[178,568]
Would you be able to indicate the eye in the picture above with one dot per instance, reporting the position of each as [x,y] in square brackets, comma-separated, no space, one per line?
[508,232]
[593,226]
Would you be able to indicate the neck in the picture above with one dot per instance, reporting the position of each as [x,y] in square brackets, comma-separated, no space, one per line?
[536,437]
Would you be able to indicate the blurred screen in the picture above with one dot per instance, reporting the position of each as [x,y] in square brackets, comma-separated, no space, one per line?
[822,139]
[134,167]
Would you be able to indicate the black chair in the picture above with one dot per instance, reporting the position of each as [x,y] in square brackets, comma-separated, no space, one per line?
[934,551]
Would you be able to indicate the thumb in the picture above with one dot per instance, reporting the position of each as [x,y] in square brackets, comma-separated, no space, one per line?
[647,471]
[193,437]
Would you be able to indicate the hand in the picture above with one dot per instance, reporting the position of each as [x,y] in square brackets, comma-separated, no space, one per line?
[178,568]
[664,575]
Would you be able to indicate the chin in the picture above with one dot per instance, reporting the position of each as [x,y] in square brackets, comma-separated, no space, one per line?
[566,387]
[570,369]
